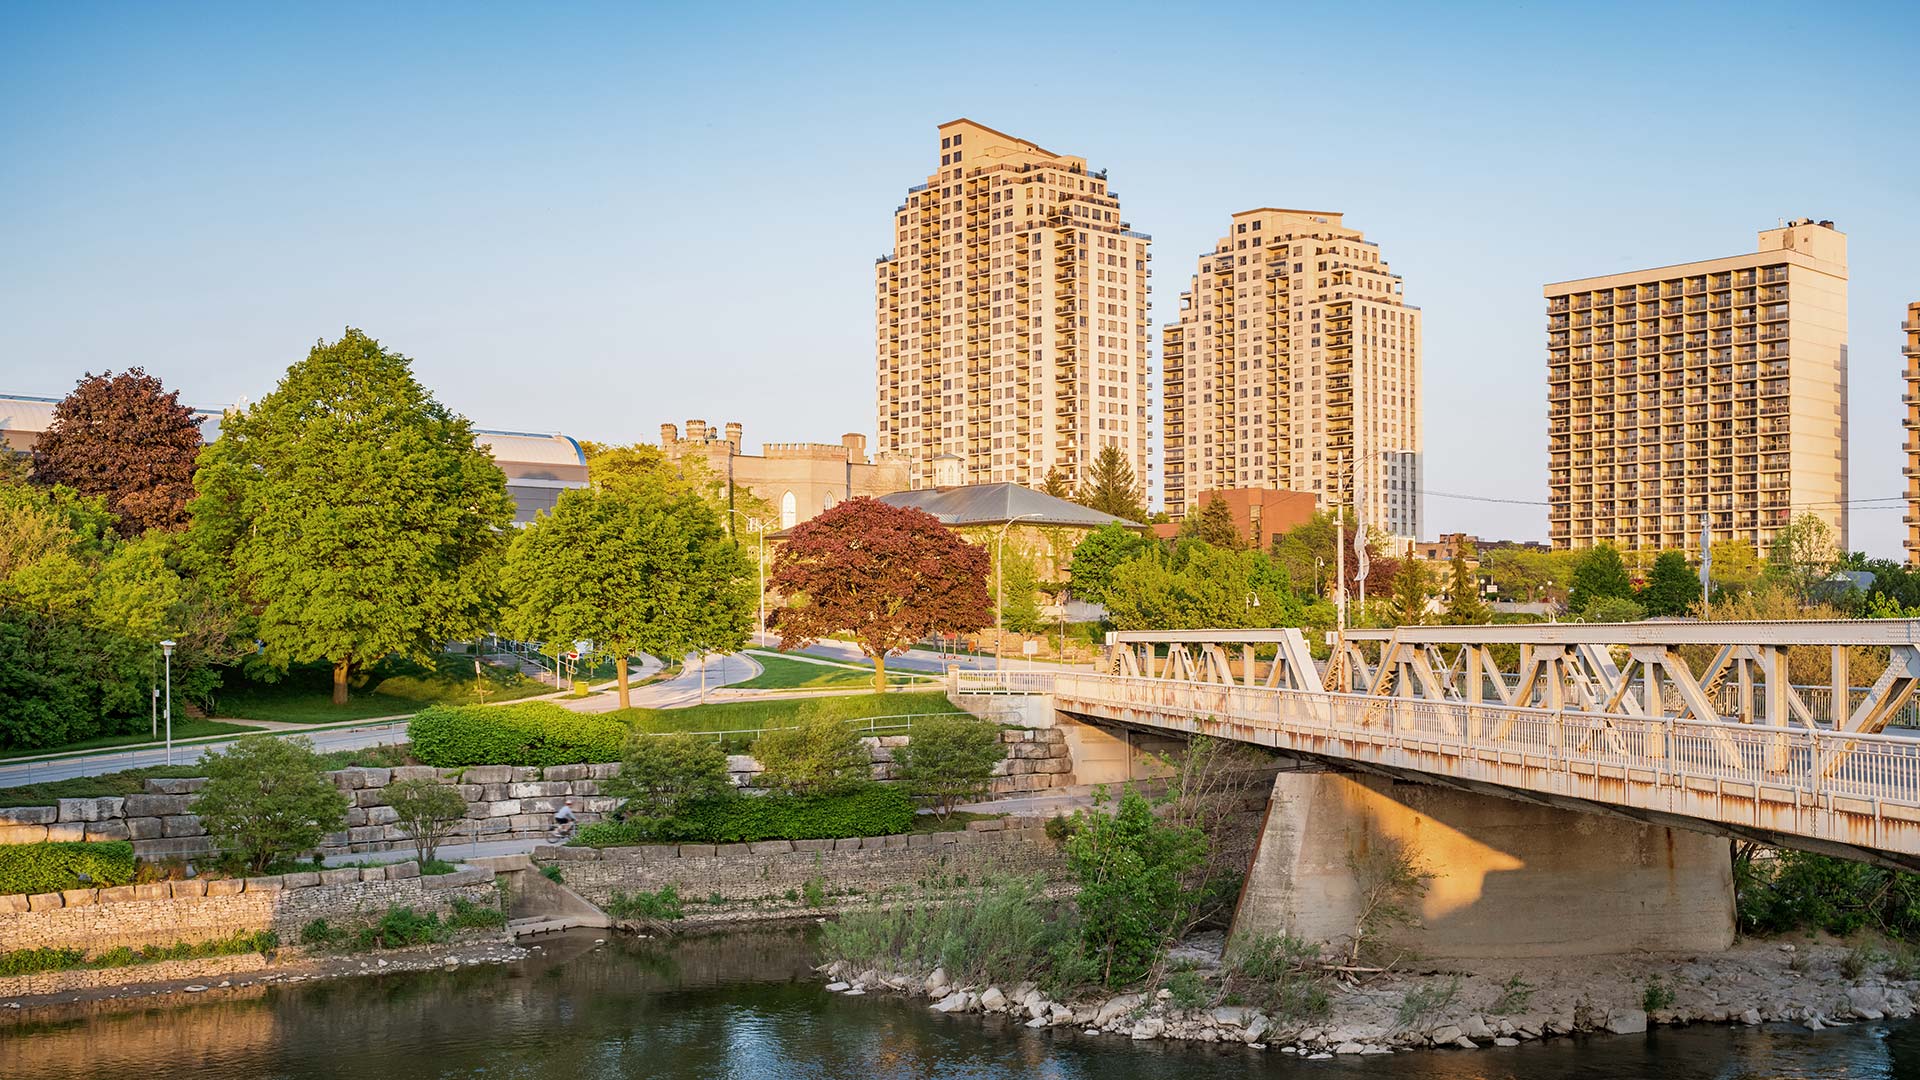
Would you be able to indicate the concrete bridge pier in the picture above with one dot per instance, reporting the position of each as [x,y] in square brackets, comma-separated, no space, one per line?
[1509,878]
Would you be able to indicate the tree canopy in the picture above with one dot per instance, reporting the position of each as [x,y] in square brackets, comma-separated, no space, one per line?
[1802,555]
[887,575]
[127,439]
[1200,586]
[358,516]
[1464,605]
[632,568]
[1410,590]
[1600,574]
[1112,488]
[1214,525]
[1095,557]
[1671,589]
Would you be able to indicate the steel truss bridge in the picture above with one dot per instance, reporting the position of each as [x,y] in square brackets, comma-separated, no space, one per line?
[1692,724]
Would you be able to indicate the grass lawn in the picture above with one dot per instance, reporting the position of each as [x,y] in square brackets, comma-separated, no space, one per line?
[391,687]
[755,715]
[786,673]
[183,728]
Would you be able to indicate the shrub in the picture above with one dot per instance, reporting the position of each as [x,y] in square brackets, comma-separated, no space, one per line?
[1423,1002]
[1004,933]
[1283,973]
[1656,995]
[661,775]
[814,891]
[34,961]
[266,798]
[1514,995]
[427,811]
[468,915]
[877,810]
[1787,890]
[950,759]
[1132,898]
[1186,990]
[820,755]
[56,865]
[401,927]
[651,907]
[321,934]
[532,733]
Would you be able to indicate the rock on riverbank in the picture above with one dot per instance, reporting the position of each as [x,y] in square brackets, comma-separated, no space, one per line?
[1467,1006]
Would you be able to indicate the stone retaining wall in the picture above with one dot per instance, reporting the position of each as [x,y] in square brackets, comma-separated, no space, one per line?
[768,870]
[173,911]
[503,802]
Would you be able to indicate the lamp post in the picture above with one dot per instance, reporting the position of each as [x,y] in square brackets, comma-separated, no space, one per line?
[166,651]
[1000,585]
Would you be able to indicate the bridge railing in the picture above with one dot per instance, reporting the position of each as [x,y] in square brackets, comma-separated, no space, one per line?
[1003,682]
[1457,735]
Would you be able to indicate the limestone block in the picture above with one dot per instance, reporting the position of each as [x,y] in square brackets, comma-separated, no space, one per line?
[158,890]
[270,883]
[28,815]
[341,876]
[356,817]
[586,787]
[600,804]
[157,805]
[182,825]
[741,763]
[370,797]
[373,873]
[415,772]
[459,879]
[366,834]
[348,779]
[879,754]
[376,777]
[96,809]
[469,792]
[530,822]
[226,886]
[891,841]
[80,897]
[813,845]
[303,880]
[108,830]
[565,772]
[689,851]
[13,904]
[144,828]
[604,771]
[401,871]
[536,789]
[381,815]
[119,894]
[495,825]
[46,901]
[180,890]
[477,810]
[988,825]
[523,774]
[893,740]
[393,832]
[487,774]
[65,831]
[493,792]
[22,834]
[540,806]
[178,785]
[771,847]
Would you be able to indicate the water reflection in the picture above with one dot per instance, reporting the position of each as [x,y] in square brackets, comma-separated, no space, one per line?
[746,1005]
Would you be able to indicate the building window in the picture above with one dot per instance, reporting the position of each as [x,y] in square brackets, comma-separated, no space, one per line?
[789,511]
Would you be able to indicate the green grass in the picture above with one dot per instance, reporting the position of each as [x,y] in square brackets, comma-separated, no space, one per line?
[756,715]
[955,822]
[786,673]
[182,729]
[393,687]
[126,782]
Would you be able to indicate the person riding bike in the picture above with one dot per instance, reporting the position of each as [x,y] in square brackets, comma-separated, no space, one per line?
[563,820]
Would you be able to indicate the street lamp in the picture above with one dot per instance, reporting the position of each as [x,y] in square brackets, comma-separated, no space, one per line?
[1000,585]
[166,650]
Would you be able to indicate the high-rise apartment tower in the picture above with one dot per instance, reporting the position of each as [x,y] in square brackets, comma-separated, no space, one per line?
[1296,364]
[1912,401]
[1715,389]
[1011,317]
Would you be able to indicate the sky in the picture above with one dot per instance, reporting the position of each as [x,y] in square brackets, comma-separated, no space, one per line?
[595,219]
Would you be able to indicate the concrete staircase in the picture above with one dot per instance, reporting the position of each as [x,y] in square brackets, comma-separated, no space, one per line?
[536,903]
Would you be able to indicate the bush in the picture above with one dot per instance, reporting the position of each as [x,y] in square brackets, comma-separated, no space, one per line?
[661,775]
[651,907]
[35,961]
[468,915]
[1131,867]
[427,811]
[266,798]
[877,810]
[533,733]
[819,756]
[401,927]
[950,759]
[55,865]
[1003,933]
[1776,892]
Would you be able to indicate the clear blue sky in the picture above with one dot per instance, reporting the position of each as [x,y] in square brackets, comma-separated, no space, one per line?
[594,219]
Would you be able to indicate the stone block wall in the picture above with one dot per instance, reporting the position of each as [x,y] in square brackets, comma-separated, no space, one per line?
[768,870]
[166,912]
[503,802]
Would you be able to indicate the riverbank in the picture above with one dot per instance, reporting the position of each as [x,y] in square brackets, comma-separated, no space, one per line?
[1457,1005]
[220,976]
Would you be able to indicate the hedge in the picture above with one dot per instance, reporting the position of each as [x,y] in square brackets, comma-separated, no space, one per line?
[51,866]
[537,733]
[876,810]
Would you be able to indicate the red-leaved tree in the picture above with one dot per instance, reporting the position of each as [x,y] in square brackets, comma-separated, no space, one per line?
[128,438]
[888,575]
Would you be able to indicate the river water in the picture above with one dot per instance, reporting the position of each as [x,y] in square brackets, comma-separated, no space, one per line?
[746,1005]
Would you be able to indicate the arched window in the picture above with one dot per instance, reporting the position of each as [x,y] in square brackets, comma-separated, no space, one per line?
[789,511]
[827,503]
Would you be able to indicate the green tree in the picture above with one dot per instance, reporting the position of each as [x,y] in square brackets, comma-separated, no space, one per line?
[1802,555]
[1112,487]
[1018,587]
[359,517]
[1131,868]
[819,755]
[268,798]
[1057,484]
[1410,590]
[1612,609]
[1214,525]
[661,775]
[1671,588]
[127,439]
[633,569]
[950,759]
[1464,605]
[426,810]
[887,575]
[1200,586]
[1095,557]
[1600,573]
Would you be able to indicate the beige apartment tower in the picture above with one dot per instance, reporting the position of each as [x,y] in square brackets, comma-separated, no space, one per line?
[1713,389]
[1295,363]
[1911,399]
[1011,317]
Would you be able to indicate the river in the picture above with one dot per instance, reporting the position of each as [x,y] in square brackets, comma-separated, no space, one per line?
[746,1005]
